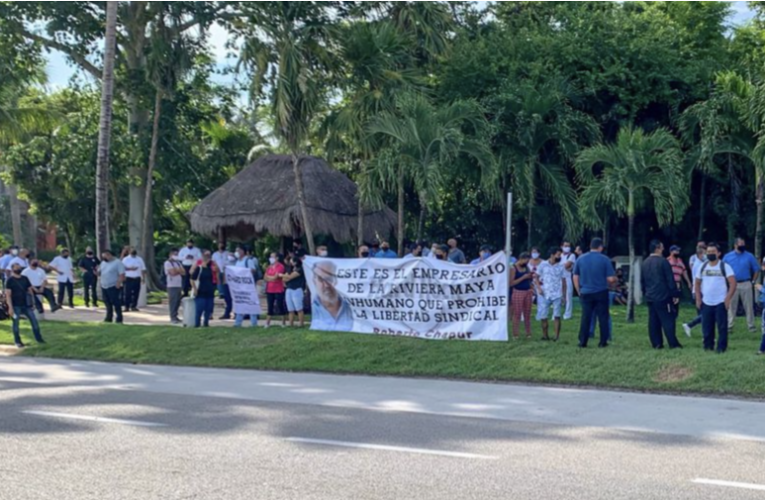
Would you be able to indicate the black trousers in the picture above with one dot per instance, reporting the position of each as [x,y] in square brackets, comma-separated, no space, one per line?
[89,283]
[113,303]
[594,304]
[48,294]
[187,281]
[662,316]
[132,291]
[712,316]
[69,287]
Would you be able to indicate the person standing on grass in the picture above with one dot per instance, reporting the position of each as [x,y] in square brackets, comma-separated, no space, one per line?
[64,268]
[658,280]
[204,281]
[761,291]
[19,297]
[189,255]
[294,281]
[715,286]
[275,289]
[135,274]
[568,259]
[696,261]
[679,271]
[174,272]
[112,273]
[88,265]
[747,270]
[38,278]
[244,259]
[551,288]
[222,259]
[521,279]
[593,272]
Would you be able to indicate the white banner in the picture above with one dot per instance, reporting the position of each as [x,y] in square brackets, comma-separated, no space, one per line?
[422,298]
[244,293]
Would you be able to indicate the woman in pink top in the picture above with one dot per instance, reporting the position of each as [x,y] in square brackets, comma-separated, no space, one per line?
[275,288]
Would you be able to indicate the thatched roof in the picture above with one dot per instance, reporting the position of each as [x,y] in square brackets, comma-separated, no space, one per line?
[262,199]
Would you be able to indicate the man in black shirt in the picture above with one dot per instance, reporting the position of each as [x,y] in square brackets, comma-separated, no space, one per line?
[21,303]
[89,265]
[662,295]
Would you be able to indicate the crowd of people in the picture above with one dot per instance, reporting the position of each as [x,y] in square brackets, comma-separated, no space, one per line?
[717,283]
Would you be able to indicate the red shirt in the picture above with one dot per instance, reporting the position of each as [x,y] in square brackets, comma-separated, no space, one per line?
[278,285]
[678,268]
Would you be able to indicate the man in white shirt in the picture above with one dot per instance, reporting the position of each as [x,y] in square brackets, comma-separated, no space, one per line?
[135,274]
[20,259]
[568,259]
[174,272]
[65,277]
[696,261]
[551,284]
[715,284]
[38,279]
[698,258]
[189,256]
[223,258]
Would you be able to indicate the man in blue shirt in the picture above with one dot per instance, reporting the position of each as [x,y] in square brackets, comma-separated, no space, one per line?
[592,274]
[744,265]
[485,254]
[385,252]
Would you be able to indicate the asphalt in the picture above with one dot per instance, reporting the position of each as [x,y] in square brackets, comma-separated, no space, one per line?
[81,430]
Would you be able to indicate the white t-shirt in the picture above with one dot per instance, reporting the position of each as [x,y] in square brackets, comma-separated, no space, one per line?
[173,281]
[24,263]
[189,256]
[223,259]
[713,286]
[35,276]
[568,258]
[551,278]
[64,267]
[694,260]
[136,262]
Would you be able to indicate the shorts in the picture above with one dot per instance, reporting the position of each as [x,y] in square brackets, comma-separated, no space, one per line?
[295,300]
[543,308]
[276,305]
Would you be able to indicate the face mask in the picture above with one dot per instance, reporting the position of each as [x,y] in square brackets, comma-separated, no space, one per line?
[89,254]
[238,255]
[133,254]
[323,253]
[557,259]
[34,265]
[365,254]
[16,270]
[385,249]
[272,260]
[486,255]
[712,257]
[535,255]
[566,249]
[675,254]
[66,255]
[14,252]
[741,248]
[189,245]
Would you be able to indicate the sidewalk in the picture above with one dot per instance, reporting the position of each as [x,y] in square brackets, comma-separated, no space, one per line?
[678,415]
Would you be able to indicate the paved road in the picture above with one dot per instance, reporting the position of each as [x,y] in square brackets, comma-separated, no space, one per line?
[76,430]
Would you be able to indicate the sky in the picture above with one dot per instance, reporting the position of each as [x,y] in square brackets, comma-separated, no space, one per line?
[60,71]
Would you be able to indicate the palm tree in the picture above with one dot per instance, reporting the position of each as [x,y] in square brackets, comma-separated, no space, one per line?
[424,139]
[638,170]
[290,54]
[542,132]
[105,130]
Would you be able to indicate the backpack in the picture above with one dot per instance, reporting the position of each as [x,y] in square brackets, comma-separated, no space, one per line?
[722,268]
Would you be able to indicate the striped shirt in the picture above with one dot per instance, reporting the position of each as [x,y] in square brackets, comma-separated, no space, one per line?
[678,268]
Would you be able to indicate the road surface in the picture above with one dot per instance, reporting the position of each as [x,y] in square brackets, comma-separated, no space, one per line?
[82,430]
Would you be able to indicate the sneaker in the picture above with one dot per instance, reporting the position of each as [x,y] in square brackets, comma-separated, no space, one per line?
[224,317]
[41,341]
[20,345]
[55,308]
[687,330]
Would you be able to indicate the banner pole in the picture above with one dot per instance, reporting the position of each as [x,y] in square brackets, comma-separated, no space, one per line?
[509,231]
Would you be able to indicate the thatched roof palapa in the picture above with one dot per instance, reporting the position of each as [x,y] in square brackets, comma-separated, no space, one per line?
[262,199]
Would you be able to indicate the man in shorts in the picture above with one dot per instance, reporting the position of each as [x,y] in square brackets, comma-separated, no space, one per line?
[552,286]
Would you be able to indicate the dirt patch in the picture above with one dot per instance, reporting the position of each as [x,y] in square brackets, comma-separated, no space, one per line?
[672,373]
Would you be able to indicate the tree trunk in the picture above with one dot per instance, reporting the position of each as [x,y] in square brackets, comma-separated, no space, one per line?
[301,202]
[631,242]
[401,227]
[703,207]
[758,223]
[735,192]
[421,221]
[105,131]
[147,241]
[13,198]
[531,211]
[360,228]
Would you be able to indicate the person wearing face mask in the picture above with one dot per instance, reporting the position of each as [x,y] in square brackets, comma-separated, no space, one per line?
[174,272]
[275,289]
[715,287]
[38,278]
[88,265]
[21,258]
[188,255]
[550,282]
[112,274]
[568,259]
[662,294]
[483,255]
[244,259]
[747,271]
[204,281]
[64,276]
[135,275]
[19,297]
[4,261]
[363,252]
[294,281]
[385,252]
[321,251]
[521,280]
[222,259]
[679,271]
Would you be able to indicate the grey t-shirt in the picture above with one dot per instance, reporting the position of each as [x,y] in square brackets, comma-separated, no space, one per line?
[110,272]
[457,256]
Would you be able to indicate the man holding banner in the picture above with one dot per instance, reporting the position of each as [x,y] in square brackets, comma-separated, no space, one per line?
[244,294]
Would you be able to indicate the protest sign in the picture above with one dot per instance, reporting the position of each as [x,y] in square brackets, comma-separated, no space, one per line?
[421,298]
[244,293]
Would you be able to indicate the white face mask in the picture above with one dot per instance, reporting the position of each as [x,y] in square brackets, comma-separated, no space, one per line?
[238,255]
[535,255]
[272,260]
[566,249]
[14,252]
[323,253]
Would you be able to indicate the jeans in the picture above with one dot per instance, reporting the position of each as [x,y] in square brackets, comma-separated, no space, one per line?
[132,292]
[762,326]
[594,304]
[174,295]
[712,316]
[239,319]
[113,302]
[48,294]
[204,307]
[89,283]
[225,295]
[69,287]
[30,314]
[662,316]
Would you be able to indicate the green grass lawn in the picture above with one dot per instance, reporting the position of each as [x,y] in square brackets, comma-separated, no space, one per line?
[629,363]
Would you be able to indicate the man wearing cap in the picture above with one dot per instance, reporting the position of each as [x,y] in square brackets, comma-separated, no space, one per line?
[679,271]
[484,254]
